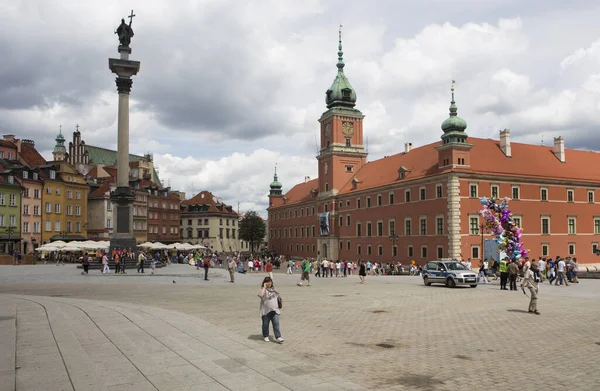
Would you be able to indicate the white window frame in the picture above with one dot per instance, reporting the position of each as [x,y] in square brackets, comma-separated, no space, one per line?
[547,246]
[542,189]
[574,218]
[542,225]
[593,198]
[478,248]
[26,227]
[437,187]
[569,252]
[572,193]
[512,192]
[497,187]
[477,230]
[421,190]
[520,218]
[471,185]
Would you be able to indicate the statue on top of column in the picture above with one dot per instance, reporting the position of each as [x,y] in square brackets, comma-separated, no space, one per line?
[124,31]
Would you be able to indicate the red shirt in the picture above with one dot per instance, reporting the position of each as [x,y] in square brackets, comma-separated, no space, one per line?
[269,267]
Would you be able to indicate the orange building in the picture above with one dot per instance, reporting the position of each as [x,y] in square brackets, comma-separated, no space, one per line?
[423,203]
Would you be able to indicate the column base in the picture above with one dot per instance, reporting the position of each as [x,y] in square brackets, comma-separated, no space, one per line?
[122,242]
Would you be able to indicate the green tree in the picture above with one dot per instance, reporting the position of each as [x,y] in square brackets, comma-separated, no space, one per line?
[252,229]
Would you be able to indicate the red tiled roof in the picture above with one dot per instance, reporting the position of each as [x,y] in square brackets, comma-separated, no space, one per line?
[7,144]
[207,198]
[486,158]
[301,192]
[100,192]
[31,156]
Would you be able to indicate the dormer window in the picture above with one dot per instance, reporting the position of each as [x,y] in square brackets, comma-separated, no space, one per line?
[346,93]
[11,179]
[403,172]
[25,174]
[52,174]
[354,183]
[35,176]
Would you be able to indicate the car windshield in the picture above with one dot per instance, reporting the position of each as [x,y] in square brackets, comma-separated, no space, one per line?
[455,266]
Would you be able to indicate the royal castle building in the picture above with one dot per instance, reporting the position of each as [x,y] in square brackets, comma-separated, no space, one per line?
[422,203]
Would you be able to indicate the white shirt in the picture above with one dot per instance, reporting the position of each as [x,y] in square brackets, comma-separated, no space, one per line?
[485,265]
[561,266]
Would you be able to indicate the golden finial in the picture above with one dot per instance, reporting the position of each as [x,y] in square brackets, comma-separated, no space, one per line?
[452,88]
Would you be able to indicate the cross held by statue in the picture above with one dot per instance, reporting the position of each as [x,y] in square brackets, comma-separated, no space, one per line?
[131,17]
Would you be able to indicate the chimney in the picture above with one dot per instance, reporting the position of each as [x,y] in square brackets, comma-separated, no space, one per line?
[407,147]
[306,179]
[505,142]
[559,148]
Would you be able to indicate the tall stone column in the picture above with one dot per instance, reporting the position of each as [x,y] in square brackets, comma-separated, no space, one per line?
[123,196]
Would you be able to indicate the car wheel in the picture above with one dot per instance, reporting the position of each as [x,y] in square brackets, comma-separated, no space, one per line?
[474,286]
[426,281]
[450,282]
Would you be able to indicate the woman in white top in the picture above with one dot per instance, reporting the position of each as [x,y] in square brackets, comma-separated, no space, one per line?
[269,309]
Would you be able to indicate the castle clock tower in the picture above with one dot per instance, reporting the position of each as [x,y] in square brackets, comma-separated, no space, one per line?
[341,155]
[342,152]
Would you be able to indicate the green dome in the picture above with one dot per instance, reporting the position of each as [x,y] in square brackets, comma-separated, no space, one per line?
[276,185]
[454,123]
[341,92]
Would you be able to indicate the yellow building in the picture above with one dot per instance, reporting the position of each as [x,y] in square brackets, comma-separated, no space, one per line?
[64,203]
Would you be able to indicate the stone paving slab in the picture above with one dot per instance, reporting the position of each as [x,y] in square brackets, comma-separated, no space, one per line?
[134,348]
[391,333]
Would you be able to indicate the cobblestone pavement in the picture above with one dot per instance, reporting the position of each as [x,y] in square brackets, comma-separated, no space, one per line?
[391,333]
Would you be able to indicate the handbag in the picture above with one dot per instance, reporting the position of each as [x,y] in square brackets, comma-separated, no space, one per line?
[279,302]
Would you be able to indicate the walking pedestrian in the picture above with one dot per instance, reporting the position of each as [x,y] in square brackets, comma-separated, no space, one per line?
[105,268]
[305,272]
[231,267]
[362,271]
[86,264]
[530,281]
[270,309]
[206,266]
[117,259]
[269,268]
[153,265]
[140,262]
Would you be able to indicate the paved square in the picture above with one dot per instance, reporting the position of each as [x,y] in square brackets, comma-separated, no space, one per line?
[66,331]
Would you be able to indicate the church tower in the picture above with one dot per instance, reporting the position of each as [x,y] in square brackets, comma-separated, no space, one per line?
[454,151]
[60,152]
[342,152]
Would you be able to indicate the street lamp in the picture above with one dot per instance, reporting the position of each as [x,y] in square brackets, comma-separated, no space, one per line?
[481,228]
[394,238]
[9,230]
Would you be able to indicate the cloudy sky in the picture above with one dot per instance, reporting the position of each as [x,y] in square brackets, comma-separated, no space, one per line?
[229,88]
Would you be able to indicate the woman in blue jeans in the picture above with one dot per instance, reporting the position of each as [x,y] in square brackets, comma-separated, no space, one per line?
[269,309]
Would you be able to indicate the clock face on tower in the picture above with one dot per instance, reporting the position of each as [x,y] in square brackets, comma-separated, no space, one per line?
[348,128]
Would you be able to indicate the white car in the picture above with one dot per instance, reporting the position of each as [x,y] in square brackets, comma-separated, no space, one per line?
[450,273]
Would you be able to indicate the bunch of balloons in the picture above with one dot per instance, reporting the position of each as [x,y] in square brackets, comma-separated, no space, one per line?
[498,220]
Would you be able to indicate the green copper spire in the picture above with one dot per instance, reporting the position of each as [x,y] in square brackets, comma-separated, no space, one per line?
[341,93]
[454,126]
[60,140]
[340,63]
[275,185]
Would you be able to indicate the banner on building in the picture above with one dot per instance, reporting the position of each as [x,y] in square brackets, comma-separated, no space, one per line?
[324,223]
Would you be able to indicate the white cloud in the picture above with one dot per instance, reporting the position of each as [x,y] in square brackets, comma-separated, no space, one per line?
[228,89]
